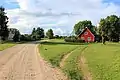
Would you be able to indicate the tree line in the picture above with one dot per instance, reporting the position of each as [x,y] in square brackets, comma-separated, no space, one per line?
[37,33]
[108,29]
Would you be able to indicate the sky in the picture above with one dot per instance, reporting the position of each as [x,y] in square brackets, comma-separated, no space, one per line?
[59,15]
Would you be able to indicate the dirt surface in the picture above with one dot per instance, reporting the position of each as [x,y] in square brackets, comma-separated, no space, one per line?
[62,63]
[63,60]
[22,62]
[84,66]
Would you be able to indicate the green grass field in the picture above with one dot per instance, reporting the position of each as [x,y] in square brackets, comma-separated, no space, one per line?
[6,45]
[71,67]
[104,61]
[54,50]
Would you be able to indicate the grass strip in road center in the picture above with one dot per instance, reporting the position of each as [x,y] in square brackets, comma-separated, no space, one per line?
[71,67]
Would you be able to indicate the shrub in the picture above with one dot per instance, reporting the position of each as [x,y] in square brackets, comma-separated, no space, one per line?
[56,60]
[74,74]
[73,39]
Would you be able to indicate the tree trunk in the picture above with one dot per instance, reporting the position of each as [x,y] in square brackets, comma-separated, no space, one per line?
[103,40]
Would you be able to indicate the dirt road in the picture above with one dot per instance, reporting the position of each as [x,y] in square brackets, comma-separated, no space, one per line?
[22,62]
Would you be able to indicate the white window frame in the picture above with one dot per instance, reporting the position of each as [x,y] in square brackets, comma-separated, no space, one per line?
[89,39]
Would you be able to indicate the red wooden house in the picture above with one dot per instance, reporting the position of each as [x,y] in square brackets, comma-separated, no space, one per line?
[87,35]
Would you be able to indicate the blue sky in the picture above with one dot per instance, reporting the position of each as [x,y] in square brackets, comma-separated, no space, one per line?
[117,2]
[60,15]
[9,5]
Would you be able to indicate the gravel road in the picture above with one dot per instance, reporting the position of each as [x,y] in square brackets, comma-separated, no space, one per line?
[22,62]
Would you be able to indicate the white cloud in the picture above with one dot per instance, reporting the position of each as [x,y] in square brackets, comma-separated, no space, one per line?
[60,15]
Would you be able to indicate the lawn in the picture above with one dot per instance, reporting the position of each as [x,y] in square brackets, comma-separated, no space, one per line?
[104,61]
[6,45]
[54,50]
[71,67]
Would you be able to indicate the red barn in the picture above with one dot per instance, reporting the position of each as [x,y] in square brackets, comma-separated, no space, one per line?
[87,35]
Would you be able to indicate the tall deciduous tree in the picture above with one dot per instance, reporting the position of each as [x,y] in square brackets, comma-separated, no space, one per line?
[3,24]
[16,37]
[40,32]
[33,35]
[50,33]
[33,31]
[37,33]
[110,28]
[80,26]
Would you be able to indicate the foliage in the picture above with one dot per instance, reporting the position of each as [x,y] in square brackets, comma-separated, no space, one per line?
[25,37]
[104,61]
[22,38]
[59,37]
[3,24]
[80,26]
[73,39]
[16,37]
[98,38]
[110,28]
[50,34]
[37,34]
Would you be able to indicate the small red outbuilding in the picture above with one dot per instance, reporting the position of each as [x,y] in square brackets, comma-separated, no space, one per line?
[87,35]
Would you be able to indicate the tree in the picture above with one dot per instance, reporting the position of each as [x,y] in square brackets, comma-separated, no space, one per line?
[50,34]
[57,36]
[33,31]
[3,24]
[22,38]
[102,29]
[37,34]
[110,28]
[16,37]
[33,35]
[40,32]
[80,26]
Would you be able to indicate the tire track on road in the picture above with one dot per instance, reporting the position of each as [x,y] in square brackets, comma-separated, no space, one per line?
[26,65]
[8,70]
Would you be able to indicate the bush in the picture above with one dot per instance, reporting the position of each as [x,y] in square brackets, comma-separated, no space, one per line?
[25,37]
[56,60]
[98,38]
[73,39]
[74,74]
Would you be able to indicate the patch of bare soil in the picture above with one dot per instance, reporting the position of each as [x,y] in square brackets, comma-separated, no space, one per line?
[62,63]
[84,66]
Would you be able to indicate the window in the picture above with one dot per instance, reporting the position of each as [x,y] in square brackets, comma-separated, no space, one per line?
[86,33]
[89,38]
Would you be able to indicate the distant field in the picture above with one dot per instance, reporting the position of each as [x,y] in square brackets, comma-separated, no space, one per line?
[54,50]
[104,61]
[6,45]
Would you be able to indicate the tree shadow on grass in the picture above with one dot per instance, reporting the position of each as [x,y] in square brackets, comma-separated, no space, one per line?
[64,43]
